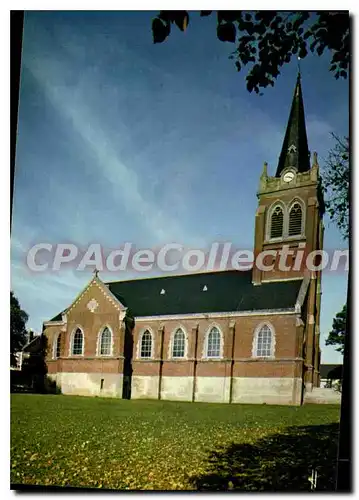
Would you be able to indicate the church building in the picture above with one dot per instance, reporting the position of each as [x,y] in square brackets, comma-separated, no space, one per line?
[224,336]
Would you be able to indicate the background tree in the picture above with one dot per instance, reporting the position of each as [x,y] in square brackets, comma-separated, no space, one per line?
[268,39]
[335,178]
[339,330]
[34,367]
[18,333]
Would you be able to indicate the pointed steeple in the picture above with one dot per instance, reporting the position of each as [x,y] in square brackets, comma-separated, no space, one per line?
[295,151]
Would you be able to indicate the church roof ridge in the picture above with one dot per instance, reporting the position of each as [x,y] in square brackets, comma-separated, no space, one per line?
[173,275]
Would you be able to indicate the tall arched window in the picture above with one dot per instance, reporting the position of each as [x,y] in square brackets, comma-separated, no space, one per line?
[146,345]
[105,344]
[276,223]
[77,347]
[264,342]
[295,220]
[214,343]
[179,343]
[57,347]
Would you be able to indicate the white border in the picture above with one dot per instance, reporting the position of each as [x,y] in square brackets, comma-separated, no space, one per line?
[139,343]
[205,343]
[268,215]
[230,314]
[99,339]
[77,327]
[255,341]
[170,346]
[54,346]
[297,199]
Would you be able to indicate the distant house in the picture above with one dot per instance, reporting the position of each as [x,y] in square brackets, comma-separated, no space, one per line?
[331,376]
[21,355]
[30,370]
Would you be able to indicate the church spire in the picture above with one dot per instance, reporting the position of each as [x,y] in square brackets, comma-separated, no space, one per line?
[295,151]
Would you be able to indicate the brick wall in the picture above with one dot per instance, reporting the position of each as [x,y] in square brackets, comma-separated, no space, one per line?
[286,343]
[236,361]
[91,323]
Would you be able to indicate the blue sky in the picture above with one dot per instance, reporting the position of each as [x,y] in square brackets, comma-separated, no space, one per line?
[123,140]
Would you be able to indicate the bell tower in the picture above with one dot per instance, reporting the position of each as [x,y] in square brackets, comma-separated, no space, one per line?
[290,205]
[289,225]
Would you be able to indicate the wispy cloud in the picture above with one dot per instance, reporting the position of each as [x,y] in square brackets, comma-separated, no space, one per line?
[122,180]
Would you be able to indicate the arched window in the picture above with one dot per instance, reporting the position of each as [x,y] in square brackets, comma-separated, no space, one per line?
[105,347]
[179,343]
[264,342]
[276,223]
[295,220]
[57,347]
[146,345]
[214,343]
[77,343]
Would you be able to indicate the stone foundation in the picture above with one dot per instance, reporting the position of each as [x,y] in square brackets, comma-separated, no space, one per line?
[246,390]
[177,388]
[89,384]
[212,389]
[323,396]
[145,387]
[282,391]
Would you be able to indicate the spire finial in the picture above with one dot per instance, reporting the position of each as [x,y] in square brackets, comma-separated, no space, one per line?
[298,79]
[264,177]
[315,158]
[315,167]
[96,271]
[265,166]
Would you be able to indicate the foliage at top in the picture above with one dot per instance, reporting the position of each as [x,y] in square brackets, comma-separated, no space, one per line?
[266,40]
[336,184]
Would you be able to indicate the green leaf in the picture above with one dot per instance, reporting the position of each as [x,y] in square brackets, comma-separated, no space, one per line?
[160,30]
[226,32]
[181,18]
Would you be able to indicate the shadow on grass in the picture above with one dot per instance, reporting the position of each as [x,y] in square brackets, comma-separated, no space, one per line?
[278,462]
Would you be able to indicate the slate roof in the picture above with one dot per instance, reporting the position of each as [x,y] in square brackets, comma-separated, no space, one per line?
[34,345]
[58,317]
[296,135]
[333,372]
[227,291]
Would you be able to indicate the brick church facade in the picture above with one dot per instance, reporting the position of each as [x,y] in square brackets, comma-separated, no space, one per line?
[225,336]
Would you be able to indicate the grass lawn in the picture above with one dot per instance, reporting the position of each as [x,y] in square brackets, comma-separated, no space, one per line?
[161,445]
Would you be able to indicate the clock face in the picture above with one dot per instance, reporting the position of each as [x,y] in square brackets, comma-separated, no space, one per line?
[289,176]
